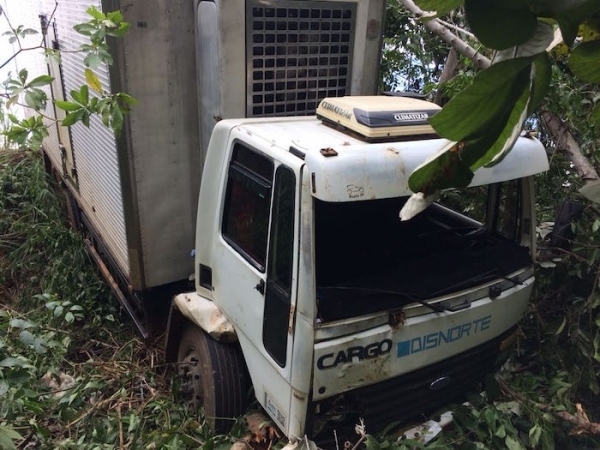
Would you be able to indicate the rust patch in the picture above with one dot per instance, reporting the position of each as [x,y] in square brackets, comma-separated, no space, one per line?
[291,319]
[396,319]
[327,152]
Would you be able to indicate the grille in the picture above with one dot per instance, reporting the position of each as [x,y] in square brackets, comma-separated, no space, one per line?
[407,396]
[297,55]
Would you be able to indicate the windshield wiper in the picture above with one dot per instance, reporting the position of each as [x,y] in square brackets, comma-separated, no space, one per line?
[374,291]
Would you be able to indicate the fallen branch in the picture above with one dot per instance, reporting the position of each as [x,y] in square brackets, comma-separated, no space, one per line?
[580,420]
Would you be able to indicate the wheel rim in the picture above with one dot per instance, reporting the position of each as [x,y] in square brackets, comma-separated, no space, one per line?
[191,380]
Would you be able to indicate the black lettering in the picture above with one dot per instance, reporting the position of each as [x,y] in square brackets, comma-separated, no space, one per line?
[321,361]
[340,358]
[356,352]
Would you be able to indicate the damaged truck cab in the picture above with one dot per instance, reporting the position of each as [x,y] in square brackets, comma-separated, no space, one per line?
[311,288]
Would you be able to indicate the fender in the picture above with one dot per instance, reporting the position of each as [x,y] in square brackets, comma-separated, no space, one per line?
[201,312]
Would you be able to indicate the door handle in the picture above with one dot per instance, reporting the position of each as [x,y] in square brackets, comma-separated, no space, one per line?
[260,287]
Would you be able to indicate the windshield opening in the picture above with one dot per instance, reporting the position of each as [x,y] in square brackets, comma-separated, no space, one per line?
[367,260]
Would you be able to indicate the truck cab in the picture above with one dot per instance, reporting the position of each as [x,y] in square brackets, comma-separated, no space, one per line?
[311,288]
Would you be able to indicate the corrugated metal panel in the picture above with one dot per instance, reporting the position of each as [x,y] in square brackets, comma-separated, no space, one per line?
[95,148]
[100,187]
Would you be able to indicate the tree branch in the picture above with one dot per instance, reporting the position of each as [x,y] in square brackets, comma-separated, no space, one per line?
[447,74]
[435,26]
[556,127]
[567,143]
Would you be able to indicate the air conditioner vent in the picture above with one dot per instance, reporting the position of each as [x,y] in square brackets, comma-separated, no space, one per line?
[297,54]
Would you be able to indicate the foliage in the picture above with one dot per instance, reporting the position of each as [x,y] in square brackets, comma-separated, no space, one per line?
[484,120]
[33,92]
[412,56]
[71,375]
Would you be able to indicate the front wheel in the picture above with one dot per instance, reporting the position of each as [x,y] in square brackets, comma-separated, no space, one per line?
[212,375]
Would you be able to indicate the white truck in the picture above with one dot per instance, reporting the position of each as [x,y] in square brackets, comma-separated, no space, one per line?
[304,282]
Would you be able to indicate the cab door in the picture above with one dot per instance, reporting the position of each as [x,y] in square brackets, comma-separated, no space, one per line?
[256,285]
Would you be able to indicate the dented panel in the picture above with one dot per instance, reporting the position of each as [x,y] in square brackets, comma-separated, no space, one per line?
[207,315]
[385,352]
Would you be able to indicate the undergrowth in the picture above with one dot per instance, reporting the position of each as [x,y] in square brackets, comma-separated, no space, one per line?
[74,375]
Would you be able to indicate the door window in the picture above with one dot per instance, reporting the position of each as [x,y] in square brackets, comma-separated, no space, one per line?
[279,274]
[247,203]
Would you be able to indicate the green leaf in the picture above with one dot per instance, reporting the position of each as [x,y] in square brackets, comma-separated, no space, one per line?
[42,80]
[115,16]
[84,94]
[93,81]
[85,118]
[23,76]
[585,61]
[26,337]
[441,7]
[116,119]
[513,444]
[36,99]
[7,438]
[21,323]
[67,106]
[72,118]
[498,26]
[92,60]
[446,169]
[569,15]
[120,32]
[127,98]
[509,134]
[541,82]
[490,96]
[541,39]
[85,28]
[92,11]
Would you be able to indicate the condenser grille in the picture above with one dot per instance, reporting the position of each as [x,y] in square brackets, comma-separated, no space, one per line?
[297,55]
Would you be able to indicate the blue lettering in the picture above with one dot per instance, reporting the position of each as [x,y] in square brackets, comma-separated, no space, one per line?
[454,333]
[465,330]
[403,349]
[486,322]
[412,345]
[432,340]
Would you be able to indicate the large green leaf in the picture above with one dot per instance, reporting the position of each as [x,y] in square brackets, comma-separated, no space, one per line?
[569,14]
[480,105]
[486,144]
[541,82]
[508,136]
[445,169]
[441,7]
[498,26]
[541,39]
[585,61]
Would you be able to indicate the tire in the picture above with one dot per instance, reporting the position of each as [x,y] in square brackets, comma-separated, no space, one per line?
[212,375]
